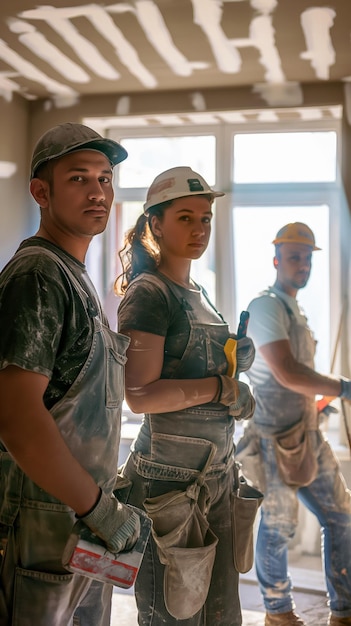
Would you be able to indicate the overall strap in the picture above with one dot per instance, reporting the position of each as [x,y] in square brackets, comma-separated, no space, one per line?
[86,300]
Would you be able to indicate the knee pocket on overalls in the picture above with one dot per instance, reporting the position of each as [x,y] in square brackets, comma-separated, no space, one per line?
[186,546]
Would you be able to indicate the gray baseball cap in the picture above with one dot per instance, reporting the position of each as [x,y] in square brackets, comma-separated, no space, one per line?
[65,138]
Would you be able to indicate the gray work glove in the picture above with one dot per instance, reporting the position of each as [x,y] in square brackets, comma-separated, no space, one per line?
[245,353]
[115,523]
[237,396]
[345,389]
[324,415]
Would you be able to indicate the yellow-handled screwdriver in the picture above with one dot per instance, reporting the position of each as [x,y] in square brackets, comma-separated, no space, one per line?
[231,344]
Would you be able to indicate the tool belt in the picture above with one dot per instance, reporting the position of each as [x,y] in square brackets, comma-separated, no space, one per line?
[185,544]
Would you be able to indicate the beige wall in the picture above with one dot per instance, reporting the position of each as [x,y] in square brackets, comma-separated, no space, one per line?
[16,215]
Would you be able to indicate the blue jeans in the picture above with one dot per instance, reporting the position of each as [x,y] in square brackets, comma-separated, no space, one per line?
[330,501]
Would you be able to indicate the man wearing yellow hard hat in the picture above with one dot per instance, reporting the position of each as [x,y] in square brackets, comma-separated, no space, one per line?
[289,457]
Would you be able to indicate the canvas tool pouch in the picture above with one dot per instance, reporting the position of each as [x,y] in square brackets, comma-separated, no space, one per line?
[245,502]
[186,546]
[296,461]
[249,455]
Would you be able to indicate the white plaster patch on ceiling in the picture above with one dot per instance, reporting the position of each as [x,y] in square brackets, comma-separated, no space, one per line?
[122,60]
[7,169]
[126,53]
[37,43]
[168,120]
[316,24]
[198,101]
[61,102]
[27,69]
[264,6]
[7,86]
[262,37]
[86,51]
[123,105]
[310,114]
[154,26]
[233,117]
[278,95]
[267,116]
[262,34]
[208,16]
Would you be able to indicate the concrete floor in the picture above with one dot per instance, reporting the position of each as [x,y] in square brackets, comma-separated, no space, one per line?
[309,595]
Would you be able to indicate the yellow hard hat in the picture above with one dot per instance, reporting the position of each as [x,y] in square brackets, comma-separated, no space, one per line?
[296,232]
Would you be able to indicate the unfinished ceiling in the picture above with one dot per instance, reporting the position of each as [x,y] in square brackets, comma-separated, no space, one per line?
[67,50]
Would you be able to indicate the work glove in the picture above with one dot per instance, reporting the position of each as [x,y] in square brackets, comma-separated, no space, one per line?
[115,523]
[324,415]
[237,396]
[345,389]
[245,353]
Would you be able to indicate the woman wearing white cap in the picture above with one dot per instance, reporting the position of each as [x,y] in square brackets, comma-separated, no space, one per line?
[181,468]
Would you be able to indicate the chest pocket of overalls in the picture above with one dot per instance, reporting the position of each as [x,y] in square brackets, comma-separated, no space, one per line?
[204,353]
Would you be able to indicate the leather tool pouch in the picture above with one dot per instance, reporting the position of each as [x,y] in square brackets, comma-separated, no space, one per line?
[296,461]
[249,455]
[245,502]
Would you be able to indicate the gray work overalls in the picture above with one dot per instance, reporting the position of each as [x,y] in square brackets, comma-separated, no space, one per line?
[326,496]
[169,453]
[33,579]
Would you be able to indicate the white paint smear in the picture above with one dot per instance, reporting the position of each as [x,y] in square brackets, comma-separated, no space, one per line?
[262,36]
[156,31]
[7,169]
[198,101]
[264,6]
[316,24]
[59,21]
[208,16]
[7,86]
[123,105]
[284,94]
[124,50]
[29,71]
[39,45]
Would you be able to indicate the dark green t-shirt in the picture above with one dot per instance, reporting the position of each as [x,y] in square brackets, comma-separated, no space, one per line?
[44,325]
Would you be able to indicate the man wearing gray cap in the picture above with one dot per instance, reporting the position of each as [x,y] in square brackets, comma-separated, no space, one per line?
[61,389]
[291,453]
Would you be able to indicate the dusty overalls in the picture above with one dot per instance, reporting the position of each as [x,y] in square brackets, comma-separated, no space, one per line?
[34,584]
[168,455]
[326,497]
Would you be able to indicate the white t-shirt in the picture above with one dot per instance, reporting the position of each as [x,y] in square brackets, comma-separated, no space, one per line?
[269,321]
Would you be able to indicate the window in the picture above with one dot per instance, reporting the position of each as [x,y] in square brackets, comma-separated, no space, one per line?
[150,156]
[292,157]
